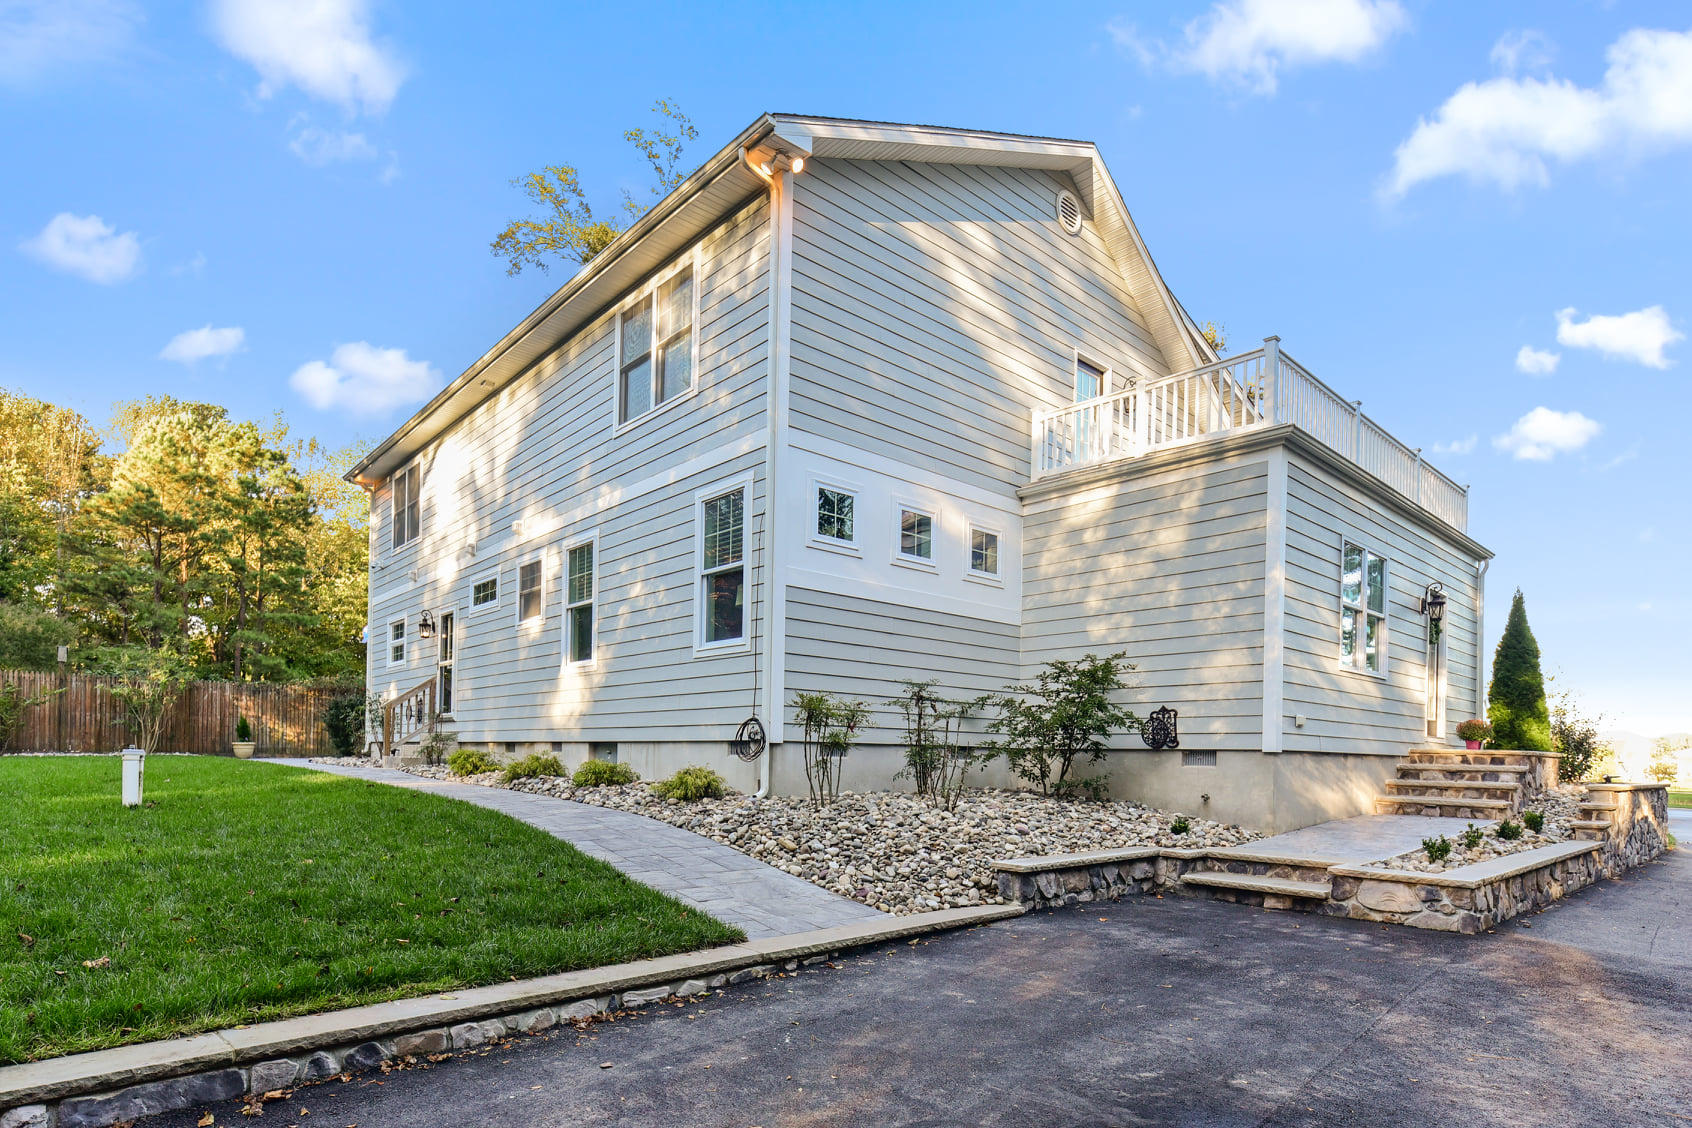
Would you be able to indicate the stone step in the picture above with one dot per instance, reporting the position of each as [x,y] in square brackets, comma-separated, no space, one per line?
[1252,883]
[1455,808]
[1590,824]
[1453,785]
[1504,772]
[1596,806]
[1463,757]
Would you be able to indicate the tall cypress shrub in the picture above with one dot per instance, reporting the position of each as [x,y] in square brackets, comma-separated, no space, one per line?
[1516,699]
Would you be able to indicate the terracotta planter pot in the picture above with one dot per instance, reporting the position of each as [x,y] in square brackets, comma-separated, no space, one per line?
[244,749]
[1471,744]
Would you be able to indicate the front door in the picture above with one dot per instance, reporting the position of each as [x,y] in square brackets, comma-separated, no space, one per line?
[444,662]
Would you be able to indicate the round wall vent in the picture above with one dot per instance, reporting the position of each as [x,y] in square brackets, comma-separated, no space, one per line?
[1069,212]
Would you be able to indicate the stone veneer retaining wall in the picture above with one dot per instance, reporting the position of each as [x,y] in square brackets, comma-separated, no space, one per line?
[1469,899]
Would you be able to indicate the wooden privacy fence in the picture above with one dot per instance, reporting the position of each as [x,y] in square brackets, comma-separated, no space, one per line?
[287,720]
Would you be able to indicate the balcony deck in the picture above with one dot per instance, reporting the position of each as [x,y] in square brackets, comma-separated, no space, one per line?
[1261,388]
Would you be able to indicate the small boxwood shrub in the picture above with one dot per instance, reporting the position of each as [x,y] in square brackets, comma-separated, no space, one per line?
[1471,837]
[471,761]
[1509,830]
[529,767]
[1533,820]
[1180,825]
[603,773]
[1437,848]
[690,785]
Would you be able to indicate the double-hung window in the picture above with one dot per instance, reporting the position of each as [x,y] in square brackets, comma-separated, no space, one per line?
[578,596]
[655,347]
[405,506]
[1363,609]
[529,592]
[722,568]
[1089,379]
[396,642]
[444,661]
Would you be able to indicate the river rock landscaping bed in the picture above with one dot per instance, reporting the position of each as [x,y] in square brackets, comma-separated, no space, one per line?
[889,849]
[1559,805]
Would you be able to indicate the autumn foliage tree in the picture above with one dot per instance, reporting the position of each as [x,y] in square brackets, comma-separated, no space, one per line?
[568,229]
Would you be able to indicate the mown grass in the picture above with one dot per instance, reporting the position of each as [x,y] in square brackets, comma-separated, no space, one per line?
[1679,798]
[243,892]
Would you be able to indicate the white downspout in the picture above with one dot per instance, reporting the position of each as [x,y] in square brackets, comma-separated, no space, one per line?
[1480,638]
[775,404]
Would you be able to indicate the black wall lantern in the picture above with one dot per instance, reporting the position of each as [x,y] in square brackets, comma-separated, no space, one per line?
[426,625]
[1433,603]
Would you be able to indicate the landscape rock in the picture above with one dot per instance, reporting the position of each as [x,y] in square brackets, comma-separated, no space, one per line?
[268,1076]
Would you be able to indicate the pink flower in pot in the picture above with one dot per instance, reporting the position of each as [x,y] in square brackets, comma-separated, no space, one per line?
[1474,733]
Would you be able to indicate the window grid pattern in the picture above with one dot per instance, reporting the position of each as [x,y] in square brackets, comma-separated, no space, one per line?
[656,345]
[1363,609]
[723,580]
[834,513]
[529,591]
[984,552]
[484,592]
[916,534]
[579,597]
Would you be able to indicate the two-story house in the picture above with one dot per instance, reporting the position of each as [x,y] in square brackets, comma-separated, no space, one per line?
[861,402]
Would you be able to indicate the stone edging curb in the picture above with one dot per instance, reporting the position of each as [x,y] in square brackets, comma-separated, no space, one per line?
[226,1051]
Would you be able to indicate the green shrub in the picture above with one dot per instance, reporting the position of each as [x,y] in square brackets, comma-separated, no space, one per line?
[690,785]
[1474,730]
[243,729]
[1533,820]
[1471,837]
[343,718]
[1180,825]
[1437,848]
[1574,737]
[1065,716]
[1509,830]
[1516,699]
[603,773]
[471,761]
[529,767]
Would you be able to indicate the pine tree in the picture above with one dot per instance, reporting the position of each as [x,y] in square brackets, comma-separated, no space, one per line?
[1516,700]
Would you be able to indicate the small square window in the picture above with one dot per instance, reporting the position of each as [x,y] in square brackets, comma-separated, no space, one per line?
[916,534]
[834,513]
[485,593]
[984,552]
[396,635]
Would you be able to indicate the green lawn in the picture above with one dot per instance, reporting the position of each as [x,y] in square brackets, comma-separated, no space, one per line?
[1679,798]
[244,892]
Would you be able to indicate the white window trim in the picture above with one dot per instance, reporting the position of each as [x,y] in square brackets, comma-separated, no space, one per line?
[591,539]
[458,616]
[993,579]
[415,469]
[1356,666]
[1106,381]
[687,261]
[528,626]
[403,662]
[470,604]
[929,563]
[743,644]
[814,539]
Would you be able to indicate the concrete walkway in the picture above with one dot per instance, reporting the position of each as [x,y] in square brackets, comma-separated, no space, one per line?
[732,887]
[1354,841]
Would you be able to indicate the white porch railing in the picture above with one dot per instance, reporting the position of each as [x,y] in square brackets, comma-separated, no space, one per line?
[1260,388]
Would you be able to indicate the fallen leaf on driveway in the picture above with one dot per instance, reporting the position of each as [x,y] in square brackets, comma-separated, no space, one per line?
[206,1121]
[605,1065]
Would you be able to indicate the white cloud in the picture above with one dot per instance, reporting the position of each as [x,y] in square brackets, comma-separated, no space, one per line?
[1542,434]
[324,47]
[316,146]
[1505,130]
[38,38]
[1536,362]
[1640,336]
[86,246]
[365,380]
[1457,446]
[1518,51]
[1648,534]
[199,344]
[1247,42]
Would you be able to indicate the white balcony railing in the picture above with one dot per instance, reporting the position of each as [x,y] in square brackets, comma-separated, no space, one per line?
[1260,388]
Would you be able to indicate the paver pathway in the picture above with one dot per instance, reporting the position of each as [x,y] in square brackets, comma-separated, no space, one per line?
[719,879]
[1361,838]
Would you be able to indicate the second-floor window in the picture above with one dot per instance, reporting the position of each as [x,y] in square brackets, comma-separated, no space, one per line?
[834,514]
[1089,380]
[655,348]
[405,506]
[529,594]
[722,568]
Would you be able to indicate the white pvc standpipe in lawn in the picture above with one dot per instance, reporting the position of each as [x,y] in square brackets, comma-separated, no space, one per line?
[134,771]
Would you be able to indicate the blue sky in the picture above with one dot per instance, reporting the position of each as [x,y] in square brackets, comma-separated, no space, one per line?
[1409,194]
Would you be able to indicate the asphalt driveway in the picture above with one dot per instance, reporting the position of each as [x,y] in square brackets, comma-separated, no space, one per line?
[1174,1011]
